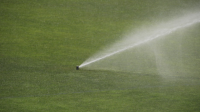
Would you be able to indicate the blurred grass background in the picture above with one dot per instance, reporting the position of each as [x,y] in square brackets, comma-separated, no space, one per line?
[41,42]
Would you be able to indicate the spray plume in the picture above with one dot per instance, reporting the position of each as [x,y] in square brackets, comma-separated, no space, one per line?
[145,36]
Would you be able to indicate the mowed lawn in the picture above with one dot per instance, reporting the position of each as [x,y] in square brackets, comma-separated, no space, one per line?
[42,41]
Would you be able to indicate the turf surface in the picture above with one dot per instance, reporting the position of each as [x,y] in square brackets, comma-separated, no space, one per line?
[41,42]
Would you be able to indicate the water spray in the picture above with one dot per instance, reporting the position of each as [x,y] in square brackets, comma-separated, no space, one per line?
[179,23]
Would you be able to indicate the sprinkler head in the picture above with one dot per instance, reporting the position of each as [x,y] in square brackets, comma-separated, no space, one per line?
[77,67]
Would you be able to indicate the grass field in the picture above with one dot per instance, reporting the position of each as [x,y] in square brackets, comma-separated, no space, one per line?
[42,41]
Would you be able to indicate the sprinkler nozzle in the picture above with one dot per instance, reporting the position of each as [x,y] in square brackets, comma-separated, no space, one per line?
[77,67]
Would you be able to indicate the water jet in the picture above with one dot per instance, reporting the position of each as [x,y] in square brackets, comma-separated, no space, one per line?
[152,36]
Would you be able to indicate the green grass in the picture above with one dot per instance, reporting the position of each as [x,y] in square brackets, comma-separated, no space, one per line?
[41,42]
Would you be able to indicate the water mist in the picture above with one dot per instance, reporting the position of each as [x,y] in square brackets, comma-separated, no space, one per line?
[151,50]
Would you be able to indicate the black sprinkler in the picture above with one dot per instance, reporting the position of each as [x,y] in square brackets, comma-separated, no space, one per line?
[77,67]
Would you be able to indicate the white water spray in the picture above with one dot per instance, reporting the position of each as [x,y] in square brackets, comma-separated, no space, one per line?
[147,35]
